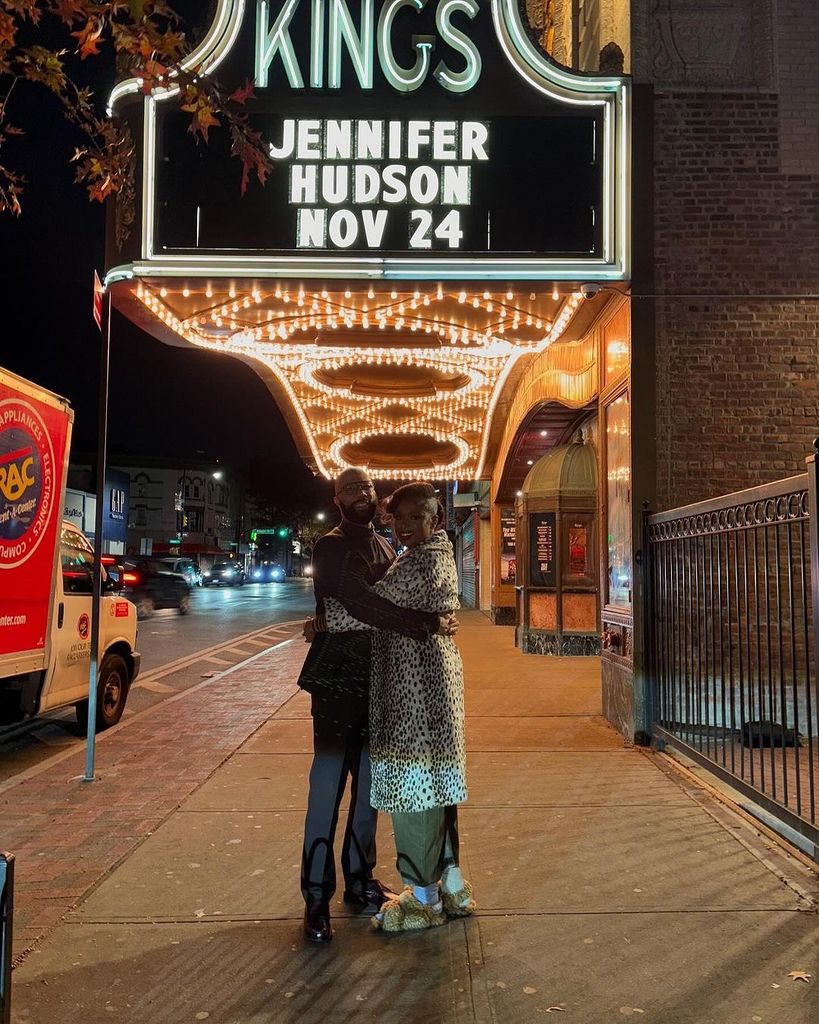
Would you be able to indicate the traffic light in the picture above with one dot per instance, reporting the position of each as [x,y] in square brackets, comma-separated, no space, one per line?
[283,531]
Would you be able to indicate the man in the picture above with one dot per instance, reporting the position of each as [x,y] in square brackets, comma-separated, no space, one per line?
[336,673]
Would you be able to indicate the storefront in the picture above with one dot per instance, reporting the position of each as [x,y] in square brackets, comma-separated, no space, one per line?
[434,280]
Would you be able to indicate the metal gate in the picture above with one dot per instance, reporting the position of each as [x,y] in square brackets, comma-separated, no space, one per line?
[731,636]
[468,563]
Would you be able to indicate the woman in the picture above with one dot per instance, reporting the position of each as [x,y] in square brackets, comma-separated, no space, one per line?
[417,747]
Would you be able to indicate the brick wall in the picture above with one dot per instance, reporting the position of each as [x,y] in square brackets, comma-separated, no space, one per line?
[737,275]
[797,72]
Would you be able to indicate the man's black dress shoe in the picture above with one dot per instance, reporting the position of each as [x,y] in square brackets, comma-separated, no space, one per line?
[317,927]
[369,896]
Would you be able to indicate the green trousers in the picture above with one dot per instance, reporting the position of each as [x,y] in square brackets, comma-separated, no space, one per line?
[426,843]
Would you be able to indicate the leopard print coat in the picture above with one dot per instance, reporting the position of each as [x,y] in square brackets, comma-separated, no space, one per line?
[417,745]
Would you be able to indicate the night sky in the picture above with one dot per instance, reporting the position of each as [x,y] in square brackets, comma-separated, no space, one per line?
[164,401]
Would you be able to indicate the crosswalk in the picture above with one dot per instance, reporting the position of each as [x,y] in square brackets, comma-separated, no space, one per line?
[57,730]
[224,654]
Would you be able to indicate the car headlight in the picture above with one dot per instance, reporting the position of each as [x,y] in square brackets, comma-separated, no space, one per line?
[206,573]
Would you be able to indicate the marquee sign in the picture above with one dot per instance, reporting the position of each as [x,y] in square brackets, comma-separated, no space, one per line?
[409,138]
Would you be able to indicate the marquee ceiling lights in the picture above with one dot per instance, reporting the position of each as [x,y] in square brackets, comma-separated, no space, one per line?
[368,369]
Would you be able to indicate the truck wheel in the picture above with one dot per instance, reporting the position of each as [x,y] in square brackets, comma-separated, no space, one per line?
[184,605]
[145,606]
[112,693]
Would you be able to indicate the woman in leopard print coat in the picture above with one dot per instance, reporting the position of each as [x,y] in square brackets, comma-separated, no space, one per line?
[417,745]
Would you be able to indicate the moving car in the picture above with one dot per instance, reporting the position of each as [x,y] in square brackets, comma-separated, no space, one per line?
[267,572]
[151,584]
[187,567]
[228,574]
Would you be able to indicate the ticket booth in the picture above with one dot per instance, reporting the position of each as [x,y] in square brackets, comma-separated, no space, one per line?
[556,548]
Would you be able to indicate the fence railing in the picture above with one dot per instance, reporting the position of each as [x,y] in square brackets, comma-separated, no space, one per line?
[732,645]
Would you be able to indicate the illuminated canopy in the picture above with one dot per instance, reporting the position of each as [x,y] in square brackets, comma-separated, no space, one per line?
[439,190]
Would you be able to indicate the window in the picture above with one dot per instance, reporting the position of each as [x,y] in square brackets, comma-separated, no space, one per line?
[586,35]
[141,518]
[77,562]
[618,501]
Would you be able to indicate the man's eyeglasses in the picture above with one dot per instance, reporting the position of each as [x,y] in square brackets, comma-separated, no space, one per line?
[358,485]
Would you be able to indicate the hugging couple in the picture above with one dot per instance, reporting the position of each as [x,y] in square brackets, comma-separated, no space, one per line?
[386,683]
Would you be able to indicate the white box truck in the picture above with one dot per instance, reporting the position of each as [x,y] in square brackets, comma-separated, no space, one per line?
[46,574]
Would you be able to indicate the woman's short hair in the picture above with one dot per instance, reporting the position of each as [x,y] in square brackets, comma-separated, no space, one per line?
[421,491]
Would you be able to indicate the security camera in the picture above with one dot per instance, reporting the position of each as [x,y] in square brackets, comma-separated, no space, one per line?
[588,291]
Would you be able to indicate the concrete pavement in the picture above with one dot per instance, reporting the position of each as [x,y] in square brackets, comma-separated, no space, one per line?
[609,886]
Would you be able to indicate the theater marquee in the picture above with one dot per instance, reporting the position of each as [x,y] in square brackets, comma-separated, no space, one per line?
[414,139]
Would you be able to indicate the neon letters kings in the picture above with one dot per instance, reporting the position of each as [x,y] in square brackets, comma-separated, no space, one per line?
[347,175]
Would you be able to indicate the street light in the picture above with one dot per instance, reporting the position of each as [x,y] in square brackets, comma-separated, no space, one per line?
[217,474]
[321,517]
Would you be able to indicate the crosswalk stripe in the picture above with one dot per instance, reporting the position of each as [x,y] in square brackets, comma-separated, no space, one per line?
[154,686]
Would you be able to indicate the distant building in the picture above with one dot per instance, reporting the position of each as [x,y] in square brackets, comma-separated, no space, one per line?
[80,507]
[174,507]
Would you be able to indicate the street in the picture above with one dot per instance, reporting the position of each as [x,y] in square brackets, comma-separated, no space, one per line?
[225,627]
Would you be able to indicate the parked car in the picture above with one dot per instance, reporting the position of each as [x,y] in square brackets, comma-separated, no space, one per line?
[267,572]
[228,574]
[187,567]
[151,584]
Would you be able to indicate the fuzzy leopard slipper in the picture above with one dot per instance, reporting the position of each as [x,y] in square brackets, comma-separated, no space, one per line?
[460,903]
[407,914]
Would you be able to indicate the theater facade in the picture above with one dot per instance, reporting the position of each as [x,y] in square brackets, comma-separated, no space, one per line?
[433,282]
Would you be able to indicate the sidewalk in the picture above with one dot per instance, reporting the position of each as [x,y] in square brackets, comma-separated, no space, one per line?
[608,888]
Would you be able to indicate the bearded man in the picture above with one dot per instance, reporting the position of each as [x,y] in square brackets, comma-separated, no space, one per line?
[336,673]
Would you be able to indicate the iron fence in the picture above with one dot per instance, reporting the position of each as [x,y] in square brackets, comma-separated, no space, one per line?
[732,643]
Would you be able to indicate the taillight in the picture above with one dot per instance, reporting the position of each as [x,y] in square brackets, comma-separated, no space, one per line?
[130,577]
[108,560]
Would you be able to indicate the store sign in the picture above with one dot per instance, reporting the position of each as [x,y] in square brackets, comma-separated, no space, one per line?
[404,134]
[74,508]
[117,503]
[542,565]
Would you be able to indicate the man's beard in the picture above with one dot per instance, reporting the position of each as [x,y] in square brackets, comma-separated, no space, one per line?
[360,516]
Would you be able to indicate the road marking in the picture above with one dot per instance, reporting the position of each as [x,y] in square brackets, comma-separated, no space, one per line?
[272,631]
[126,720]
[192,659]
[154,686]
[213,660]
